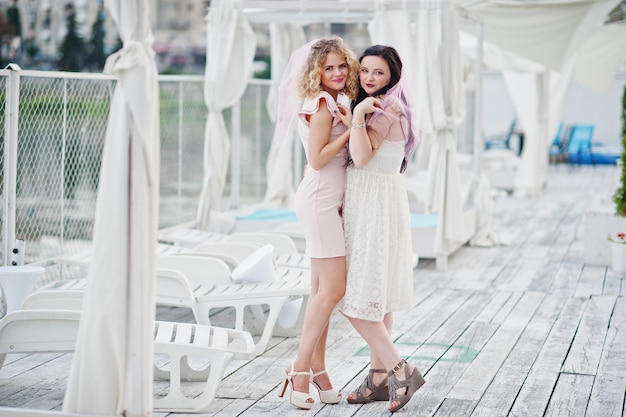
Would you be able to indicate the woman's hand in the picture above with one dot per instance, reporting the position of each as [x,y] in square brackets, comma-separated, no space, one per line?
[344,114]
[369,105]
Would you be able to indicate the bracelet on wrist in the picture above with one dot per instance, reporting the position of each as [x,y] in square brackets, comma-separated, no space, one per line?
[358,126]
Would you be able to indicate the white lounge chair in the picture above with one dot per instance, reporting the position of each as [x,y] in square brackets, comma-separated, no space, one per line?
[285,250]
[52,330]
[203,284]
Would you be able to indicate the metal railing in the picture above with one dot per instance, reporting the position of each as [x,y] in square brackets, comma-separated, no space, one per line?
[51,140]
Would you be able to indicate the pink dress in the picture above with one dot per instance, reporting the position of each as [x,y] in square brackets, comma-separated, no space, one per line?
[319,197]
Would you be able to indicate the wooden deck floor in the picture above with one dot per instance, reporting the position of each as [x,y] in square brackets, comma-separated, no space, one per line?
[519,330]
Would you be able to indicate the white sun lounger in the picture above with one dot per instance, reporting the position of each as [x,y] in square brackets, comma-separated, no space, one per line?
[203,284]
[285,250]
[52,330]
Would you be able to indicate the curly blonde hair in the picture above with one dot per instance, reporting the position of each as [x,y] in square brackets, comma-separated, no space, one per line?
[310,84]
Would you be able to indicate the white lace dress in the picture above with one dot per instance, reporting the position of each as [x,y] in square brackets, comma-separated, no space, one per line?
[378,237]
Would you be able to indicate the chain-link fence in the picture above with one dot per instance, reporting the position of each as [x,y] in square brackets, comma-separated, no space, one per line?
[60,137]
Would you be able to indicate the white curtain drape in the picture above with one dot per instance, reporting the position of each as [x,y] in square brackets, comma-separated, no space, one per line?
[429,91]
[284,39]
[444,195]
[111,373]
[231,44]
[394,28]
[538,99]
[441,103]
[527,93]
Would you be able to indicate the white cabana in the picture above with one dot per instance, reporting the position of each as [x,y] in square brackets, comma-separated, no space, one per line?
[544,34]
[111,372]
[231,44]
[538,46]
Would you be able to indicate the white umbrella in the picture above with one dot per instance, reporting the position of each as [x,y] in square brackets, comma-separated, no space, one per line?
[112,368]
[231,44]
[284,39]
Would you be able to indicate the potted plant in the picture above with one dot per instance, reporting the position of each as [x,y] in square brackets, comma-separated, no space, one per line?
[619,198]
[618,252]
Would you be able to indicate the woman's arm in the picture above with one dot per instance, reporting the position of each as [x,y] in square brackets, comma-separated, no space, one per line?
[321,150]
[364,142]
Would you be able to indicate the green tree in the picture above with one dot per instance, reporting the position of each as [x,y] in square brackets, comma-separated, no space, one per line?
[96,55]
[72,52]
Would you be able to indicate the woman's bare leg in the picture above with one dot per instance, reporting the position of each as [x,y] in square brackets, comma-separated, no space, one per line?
[318,361]
[375,361]
[330,275]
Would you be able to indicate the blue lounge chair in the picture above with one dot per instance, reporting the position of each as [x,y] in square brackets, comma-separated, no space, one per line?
[503,140]
[579,144]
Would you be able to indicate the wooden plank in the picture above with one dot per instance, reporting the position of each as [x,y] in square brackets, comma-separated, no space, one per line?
[482,371]
[494,306]
[566,278]
[403,321]
[570,396]
[42,387]
[584,354]
[528,264]
[533,398]
[451,407]
[607,395]
[430,322]
[591,281]
[542,281]
[499,397]
[449,368]
[612,283]
[468,269]
[506,309]
[444,342]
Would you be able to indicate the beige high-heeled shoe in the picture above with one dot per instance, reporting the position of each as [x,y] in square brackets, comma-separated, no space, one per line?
[329,396]
[296,398]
